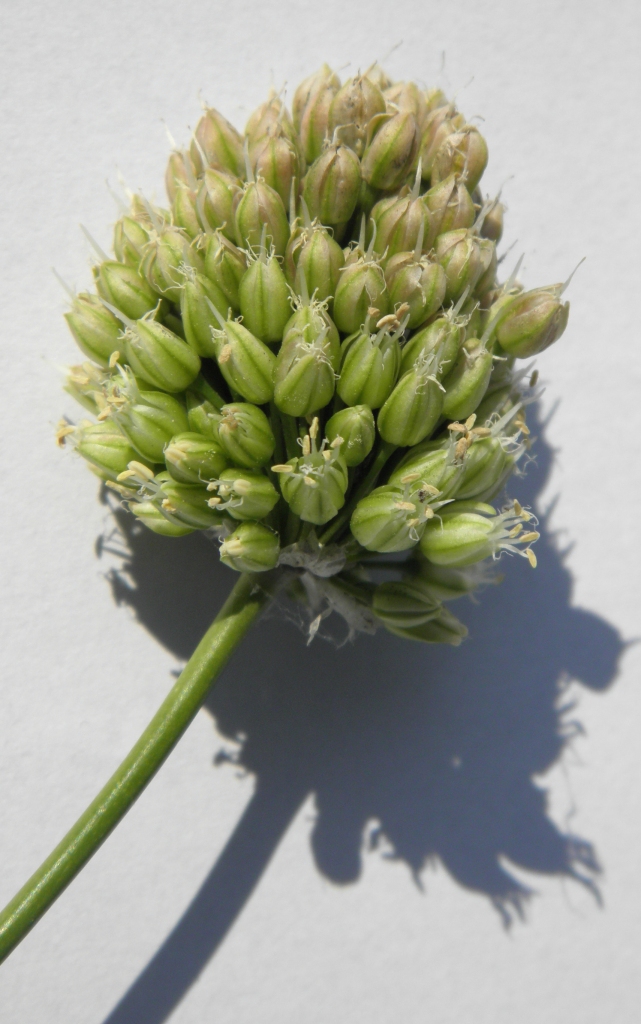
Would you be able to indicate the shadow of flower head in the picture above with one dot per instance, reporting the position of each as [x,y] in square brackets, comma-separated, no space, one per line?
[429,752]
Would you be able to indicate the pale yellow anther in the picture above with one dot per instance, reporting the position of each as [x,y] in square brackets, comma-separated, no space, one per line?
[413,522]
[225,354]
[372,312]
[313,430]
[431,489]
[64,429]
[456,428]
[405,506]
[518,509]
[470,421]
[327,455]
[429,513]
[529,538]
[140,470]
[113,359]
[212,486]
[242,487]
[126,474]
[309,480]
[104,415]
[385,321]
[481,431]
[515,531]
[307,445]
[409,478]
[282,468]
[212,502]
[531,557]
[168,505]
[337,442]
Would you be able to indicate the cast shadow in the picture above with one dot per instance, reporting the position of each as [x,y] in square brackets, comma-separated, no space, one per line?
[430,753]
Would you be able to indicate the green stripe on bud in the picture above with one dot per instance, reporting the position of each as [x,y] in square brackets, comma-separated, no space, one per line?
[361,286]
[243,494]
[252,547]
[124,288]
[310,110]
[353,107]
[305,373]
[216,143]
[105,447]
[151,517]
[357,429]
[167,254]
[318,257]
[400,222]
[467,533]
[149,419]
[95,329]
[394,518]
[256,206]
[332,185]
[392,145]
[445,628]
[467,382]
[459,253]
[314,485]
[264,297]
[245,435]
[193,458]
[419,284]
[244,360]
[198,291]
[414,407]
[215,202]
[159,356]
[402,604]
[532,321]
[370,364]
[185,211]
[225,265]
[130,239]
[442,339]
[451,206]
[275,159]
[463,152]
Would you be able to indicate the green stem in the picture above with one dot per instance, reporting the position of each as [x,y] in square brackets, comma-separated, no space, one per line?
[364,487]
[138,768]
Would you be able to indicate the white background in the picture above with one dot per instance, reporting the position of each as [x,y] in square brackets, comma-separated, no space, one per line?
[456,754]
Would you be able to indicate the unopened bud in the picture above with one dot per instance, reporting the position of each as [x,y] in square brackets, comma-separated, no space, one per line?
[159,356]
[332,185]
[198,292]
[245,361]
[463,152]
[105,447]
[275,159]
[361,285]
[492,226]
[459,254]
[218,142]
[225,265]
[467,382]
[123,287]
[243,494]
[264,298]
[369,368]
[252,547]
[394,518]
[353,107]
[95,330]
[314,485]
[245,435]
[319,258]
[400,222]
[256,206]
[310,110]
[439,124]
[442,339]
[418,283]
[130,239]
[444,628]
[203,416]
[356,427]
[407,98]
[404,603]
[414,407]
[148,419]
[166,256]
[305,373]
[533,321]
[180,171]
[185,211]
[450,205]
[391,150]
[150,516]
[215,203]
[192,458]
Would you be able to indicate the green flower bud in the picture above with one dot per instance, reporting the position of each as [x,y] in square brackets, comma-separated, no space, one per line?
[148,419]
[467,533]
[243,494]
[445,628]
[193,458]
[370,364]
[394,518]
[258,205]
[492,226]
[407,98]
[361,286]
[463,152]
[147,214]
[533,321]
[168,252]
[124,288]
[252,547]
[151,517]
[180,171]
[352,108]
[245,362]
[245,435]
[84,383]
[130,239]
[197,318]
[159,356]
[432,463]
[314,485]
[391,150]
[467,382]
[105,447]
[264,297]
[404,603]
[435,98]
[266,118]
[487,454]
[417,283]
[459,254]
[215,203]
[310,110]
[355,425]
[318,257]
[185,211]
[332,184]
[305,373]
[442,339]
[185,504]
[216,143]
[451,206]
[439,124]
[203,416]
[275,159]
[96,331]
[225,265]
[400,221]
[487,278]
[414,407]
[447,584]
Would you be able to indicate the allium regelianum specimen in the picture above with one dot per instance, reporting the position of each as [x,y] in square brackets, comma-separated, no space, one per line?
[308,356]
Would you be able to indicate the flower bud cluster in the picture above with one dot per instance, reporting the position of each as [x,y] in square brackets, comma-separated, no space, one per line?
[309,347]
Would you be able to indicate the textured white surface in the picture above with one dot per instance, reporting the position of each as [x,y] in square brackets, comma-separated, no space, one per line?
[454,753]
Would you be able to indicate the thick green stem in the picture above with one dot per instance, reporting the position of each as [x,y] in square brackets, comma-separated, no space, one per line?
[364,487]
[138,768]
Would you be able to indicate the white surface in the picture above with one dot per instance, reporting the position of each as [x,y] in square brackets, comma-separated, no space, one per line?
[85,88]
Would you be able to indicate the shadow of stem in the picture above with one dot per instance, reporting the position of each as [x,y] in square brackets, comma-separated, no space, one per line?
[431,751]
